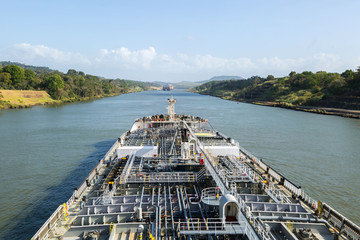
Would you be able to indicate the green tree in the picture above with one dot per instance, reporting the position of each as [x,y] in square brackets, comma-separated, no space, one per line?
[123,84]
[270,77]
[30,74]
[255,80]
[16,72]
[348,74]
[53,84]
[5,79]
[337,85]
[291,74]
[72,72]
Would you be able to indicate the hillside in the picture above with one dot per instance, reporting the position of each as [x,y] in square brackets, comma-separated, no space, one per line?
[185,85]
[63,87]
[24,66]
[302,91]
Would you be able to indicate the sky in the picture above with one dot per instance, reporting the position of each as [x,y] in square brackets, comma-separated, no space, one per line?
[184,40]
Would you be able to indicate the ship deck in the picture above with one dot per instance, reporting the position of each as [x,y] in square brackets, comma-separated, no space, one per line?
[175,177]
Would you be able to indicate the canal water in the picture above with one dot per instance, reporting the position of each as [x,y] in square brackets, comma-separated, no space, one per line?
[45,152]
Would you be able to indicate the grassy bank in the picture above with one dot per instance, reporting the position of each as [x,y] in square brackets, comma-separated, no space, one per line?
[24,98]
[29,98]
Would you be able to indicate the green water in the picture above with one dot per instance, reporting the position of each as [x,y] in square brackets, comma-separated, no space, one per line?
[47,151]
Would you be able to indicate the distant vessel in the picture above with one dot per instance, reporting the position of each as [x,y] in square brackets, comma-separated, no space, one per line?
[175,177]
[168,87]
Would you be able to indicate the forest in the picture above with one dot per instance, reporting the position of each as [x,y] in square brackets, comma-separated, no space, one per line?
[71,86]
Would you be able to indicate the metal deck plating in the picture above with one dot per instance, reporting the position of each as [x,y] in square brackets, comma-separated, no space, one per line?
[175,177]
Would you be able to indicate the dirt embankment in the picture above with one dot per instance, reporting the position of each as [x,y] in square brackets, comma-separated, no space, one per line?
[24,98]
[321,110]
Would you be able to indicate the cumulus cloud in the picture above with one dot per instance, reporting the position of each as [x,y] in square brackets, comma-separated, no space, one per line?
[132,59]
[149,65]
[30,52]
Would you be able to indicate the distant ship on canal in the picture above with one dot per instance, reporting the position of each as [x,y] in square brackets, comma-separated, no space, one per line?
[168,87]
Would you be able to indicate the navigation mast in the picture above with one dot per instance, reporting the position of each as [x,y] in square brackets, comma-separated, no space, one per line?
[171,109]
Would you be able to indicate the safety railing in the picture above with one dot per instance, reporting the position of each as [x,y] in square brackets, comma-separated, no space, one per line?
[126,171]
[241,171]
[257,225]
[162,177]
[43,232]
[209,226]
[296,190]
[309,200]
[201,174]
[112,149]
[210,192]
[292,187]
[216,176]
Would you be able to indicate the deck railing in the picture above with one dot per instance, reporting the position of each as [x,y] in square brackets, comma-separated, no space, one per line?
[209,226]
[44,231]
[341,223]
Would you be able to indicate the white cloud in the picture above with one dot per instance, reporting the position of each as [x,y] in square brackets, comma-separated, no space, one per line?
[149,65]
[29,52]
[280,64]
[317,62]
[132,59]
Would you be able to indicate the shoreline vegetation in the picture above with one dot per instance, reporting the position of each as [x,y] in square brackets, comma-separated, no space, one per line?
[23,86]
[320,92]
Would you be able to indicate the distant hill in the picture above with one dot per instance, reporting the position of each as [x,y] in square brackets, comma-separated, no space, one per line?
[221,78]
[185,85]
[179,85]
[188,84]
[160,83]
[24,66]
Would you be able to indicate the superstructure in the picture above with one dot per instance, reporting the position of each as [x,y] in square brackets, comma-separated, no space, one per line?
[175,177]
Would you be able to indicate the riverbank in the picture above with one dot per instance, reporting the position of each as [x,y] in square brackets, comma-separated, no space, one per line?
[349,113]
[24,98]
[27,98]
[320,110]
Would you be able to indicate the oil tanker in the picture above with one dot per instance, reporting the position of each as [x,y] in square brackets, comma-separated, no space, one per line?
[174,176]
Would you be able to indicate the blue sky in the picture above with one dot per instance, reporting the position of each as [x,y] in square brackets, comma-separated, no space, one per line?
[182,40]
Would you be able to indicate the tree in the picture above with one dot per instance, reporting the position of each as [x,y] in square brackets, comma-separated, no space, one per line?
[123,84]
[16,72]
[72,72]
[348,74]
[81,81]
[5,79]
[53,84]
[291,74]
[270,77]
[29,74]
[255,80]
[337,85]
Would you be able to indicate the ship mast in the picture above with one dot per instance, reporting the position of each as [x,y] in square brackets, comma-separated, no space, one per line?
[171,109]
